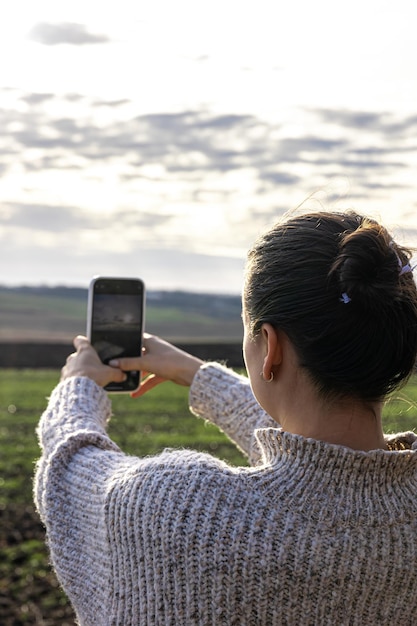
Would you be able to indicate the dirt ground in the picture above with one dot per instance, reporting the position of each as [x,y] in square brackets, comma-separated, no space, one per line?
[29,591]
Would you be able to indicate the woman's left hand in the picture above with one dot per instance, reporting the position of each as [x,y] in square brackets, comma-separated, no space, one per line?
[86,362]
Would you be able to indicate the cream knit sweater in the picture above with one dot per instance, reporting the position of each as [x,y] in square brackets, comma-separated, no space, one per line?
[312,533]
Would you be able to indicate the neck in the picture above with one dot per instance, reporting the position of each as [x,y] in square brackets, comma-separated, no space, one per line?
[293,401]
[347,424]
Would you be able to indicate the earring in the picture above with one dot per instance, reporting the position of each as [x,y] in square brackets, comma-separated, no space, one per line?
[267,380]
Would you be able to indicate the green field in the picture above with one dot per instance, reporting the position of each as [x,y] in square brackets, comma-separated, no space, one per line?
[29,593]
[58,314]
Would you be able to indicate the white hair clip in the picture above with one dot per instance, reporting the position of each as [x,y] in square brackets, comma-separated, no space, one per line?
[404,269]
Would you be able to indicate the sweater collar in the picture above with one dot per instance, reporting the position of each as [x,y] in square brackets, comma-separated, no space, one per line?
[277,445]
[336,484]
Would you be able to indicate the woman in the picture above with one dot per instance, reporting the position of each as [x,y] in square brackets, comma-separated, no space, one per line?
[322,528]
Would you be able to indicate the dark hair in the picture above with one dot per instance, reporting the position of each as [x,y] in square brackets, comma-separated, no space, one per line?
[333,283]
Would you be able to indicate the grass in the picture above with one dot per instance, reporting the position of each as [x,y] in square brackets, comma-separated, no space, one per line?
[26,316]
[29,593]
[400,411]
[142,427]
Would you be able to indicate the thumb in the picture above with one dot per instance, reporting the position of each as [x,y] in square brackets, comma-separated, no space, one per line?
[146,385]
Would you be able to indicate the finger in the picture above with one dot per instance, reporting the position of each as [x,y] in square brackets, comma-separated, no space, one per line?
[126,364]
[146,385]
[116,375]
[71,357]
[63,372]
[81,342]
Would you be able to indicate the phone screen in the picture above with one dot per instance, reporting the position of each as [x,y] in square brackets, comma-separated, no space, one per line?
[116,323]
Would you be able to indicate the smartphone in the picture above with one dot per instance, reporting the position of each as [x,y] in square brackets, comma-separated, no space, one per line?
[115,323]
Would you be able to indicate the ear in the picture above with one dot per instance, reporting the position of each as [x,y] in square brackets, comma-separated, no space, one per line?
[273,349]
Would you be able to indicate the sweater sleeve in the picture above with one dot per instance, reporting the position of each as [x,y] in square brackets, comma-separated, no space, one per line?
[76,416]
[225,398]
[73,476]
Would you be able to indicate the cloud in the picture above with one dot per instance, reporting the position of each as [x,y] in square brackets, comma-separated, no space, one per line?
[32,99]
[351,119]
[70,262]
[161,268]
[192,142]
[128,218]
[183,142]
[72,33]
[379,122]
[49,218]
[279,178]
[203,158]
[65,219]
[110,103]
[162,170]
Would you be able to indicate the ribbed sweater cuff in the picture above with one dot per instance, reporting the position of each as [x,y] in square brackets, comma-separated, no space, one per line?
[77,403]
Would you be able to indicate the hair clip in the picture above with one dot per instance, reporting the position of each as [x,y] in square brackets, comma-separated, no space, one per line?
[345,298]
[404,269]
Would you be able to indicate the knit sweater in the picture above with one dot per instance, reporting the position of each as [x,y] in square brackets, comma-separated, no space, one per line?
[310,534]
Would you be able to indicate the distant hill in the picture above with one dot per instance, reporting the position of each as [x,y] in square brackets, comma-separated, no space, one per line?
[54,314]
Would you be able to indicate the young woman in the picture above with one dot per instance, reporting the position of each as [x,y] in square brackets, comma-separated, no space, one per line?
[322,528]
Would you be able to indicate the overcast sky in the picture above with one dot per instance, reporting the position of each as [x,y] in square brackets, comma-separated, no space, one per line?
[159,139]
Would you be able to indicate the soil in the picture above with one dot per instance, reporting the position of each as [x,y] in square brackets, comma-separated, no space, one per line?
[29,591]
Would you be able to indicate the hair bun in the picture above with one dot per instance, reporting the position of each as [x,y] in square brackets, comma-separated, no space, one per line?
[367,268]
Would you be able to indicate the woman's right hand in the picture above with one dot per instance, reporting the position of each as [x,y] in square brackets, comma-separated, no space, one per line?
[160,361]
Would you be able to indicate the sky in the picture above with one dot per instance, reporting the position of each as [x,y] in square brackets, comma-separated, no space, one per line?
[158,139]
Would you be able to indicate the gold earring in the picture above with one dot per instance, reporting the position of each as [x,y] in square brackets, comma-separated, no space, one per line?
[267,380]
